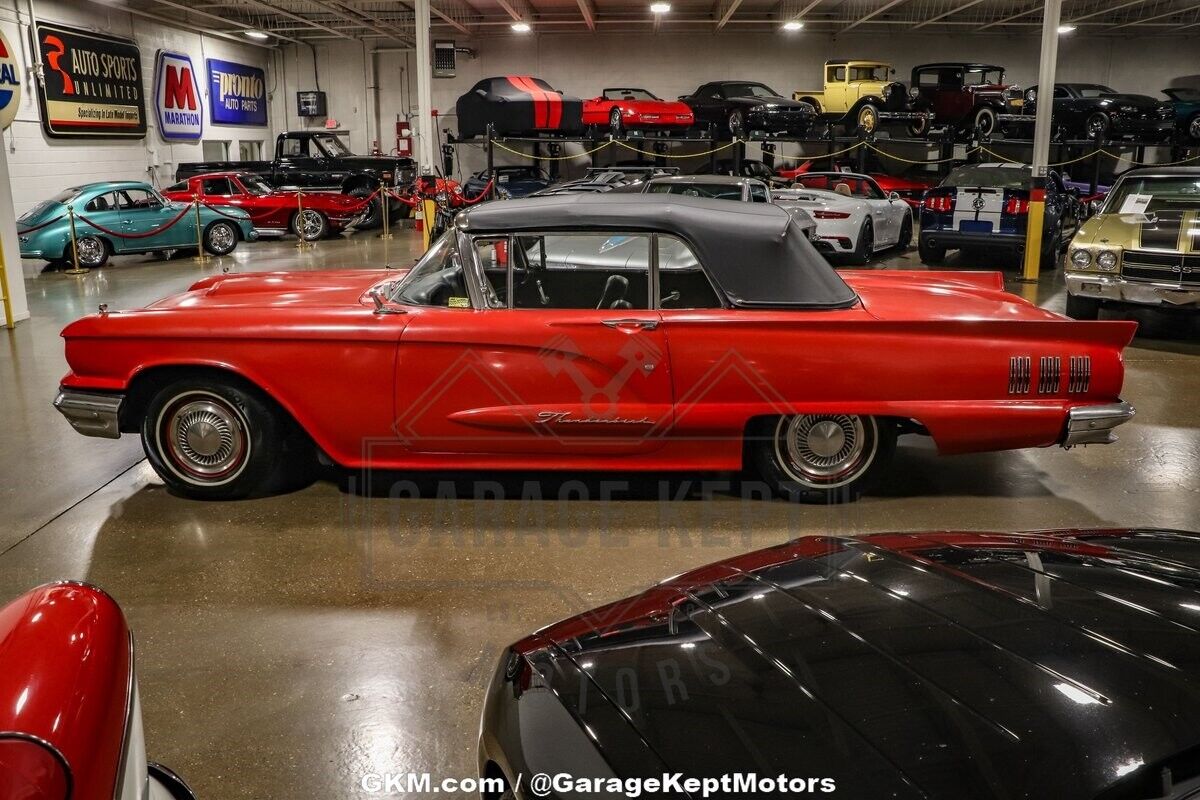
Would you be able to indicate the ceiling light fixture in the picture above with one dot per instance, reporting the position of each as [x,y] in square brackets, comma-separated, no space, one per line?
[793,25]
[1065,28]
[660,8]
[256,34]
[521,27]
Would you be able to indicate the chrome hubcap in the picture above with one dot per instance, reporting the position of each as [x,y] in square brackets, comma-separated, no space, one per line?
[90,250]
[310,225]
[205,438]
[1194,128]
[220,237]
[825,450]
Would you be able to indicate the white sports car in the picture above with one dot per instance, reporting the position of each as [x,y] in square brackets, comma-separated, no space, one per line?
[854,216]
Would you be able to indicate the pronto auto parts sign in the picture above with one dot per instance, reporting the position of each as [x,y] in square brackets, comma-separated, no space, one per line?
[10,83]
[177,97]
[237,94]
[91,83]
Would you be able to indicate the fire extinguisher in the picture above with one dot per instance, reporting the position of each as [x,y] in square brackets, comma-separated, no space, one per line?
[404,145]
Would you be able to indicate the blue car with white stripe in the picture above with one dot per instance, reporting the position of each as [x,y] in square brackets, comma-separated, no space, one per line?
[985,207]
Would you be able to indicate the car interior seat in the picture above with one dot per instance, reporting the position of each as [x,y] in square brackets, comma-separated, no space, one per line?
[613,296]
[843,189]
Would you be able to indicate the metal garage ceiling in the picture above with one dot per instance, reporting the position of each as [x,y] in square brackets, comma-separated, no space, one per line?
[312,20]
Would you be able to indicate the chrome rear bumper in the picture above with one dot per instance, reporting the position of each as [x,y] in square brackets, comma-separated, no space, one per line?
[1094,424]
[91,413]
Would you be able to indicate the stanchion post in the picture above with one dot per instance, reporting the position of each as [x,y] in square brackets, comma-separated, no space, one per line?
[831,133]
[862,151]
[428,214]
[491,160]
[1095,163]
[75,268]
[738,150]
[384,208]
[9,322]
[302,243]
[712,148]
[201,257]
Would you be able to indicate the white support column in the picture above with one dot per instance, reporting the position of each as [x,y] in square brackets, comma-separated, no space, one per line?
[8,240]
[426,133]
[1041,141]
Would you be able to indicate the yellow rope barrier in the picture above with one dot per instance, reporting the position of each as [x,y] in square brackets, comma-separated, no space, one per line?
[886,154]
[664,155]
[552,158]
[1149,163]
[821,156]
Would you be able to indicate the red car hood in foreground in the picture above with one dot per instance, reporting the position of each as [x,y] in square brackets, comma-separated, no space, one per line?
[342,287]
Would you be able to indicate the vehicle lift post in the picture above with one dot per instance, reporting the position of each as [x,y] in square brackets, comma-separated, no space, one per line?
[491,160]
[1051,16]
[1097,144]
[712,149]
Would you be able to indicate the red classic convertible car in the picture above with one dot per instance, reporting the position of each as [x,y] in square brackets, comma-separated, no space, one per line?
[70,713]
[273,212]
[591,332]
[620,109]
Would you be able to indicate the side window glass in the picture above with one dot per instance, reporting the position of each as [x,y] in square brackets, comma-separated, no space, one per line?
[492,253]
[581,270]
[103,202]
[437,279]
[682,282]
[217,187]
[291,148]
[134,199]
[1061,94]
[758,193]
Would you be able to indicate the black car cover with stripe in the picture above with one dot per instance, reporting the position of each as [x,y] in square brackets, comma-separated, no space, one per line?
[517,104]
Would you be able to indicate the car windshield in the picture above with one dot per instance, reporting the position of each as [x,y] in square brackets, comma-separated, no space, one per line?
[983,77]
[332,146]
[869,72]
[628,94]
[436,280]
[1150,194]
[749,90]
[1014,177]
[1091,91]
[255,185]
[718,191]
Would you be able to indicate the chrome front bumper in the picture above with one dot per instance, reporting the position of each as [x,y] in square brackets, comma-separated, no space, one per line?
[1116,288]
[91,413]
[1094,424]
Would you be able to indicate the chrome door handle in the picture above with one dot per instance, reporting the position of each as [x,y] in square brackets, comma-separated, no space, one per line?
[631,324]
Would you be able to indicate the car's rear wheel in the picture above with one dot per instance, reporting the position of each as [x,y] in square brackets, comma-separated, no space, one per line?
[1079,307]
[93,252]
[220,238]
[311,225]
[1097,125]
[614,121]
[822,458]
[737,124]
[985,121]
[214,439]
[1193,127]
[865,245]
[930,253]
[868,118]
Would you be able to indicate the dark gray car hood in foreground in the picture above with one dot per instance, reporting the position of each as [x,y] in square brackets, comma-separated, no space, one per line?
[947,665]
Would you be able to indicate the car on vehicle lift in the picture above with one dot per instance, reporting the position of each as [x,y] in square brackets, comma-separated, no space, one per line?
[511,180]
[1186,102]
[742,108]
[319,160]
[745,349]
[985,208]
[969,97]
[861,94]
[1088,110]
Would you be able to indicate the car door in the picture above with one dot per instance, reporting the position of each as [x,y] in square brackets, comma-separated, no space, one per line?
[549,348]
[144,215]
[103,211]
[708,104]
[295,166]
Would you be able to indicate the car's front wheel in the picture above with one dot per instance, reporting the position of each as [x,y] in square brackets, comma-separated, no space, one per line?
[822,458]
[905,240]
[1097,124]
[868,118]
[311,225]
[737,124]
[1193,128]
[985,121]
[92,251]
[866,244]
[213,439]
[220,238]
[373,212]
[614,121]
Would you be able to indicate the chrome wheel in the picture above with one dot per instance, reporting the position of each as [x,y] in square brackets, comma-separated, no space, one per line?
[737,124]
[614,121]
[825,450]
[868,118]
[205,438]
[1194,127]
[1097,124]
[311,225]
[91,251]
[221,238]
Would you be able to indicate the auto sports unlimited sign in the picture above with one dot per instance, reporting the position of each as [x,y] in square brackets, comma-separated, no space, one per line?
[91,84]
[237,93]
[177,97]
[10,83]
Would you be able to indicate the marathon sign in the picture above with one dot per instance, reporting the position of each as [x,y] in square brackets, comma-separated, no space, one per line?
[237,94]
[92,83]
[177,97]
[10,83]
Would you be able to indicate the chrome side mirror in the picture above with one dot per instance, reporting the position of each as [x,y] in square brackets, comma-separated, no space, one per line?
[893,195]
[382,304]
[1093,208]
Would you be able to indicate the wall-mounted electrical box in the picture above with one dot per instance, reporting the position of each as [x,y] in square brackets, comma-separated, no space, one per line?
[310,104]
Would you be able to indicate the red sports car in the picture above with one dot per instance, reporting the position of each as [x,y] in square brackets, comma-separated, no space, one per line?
[273,212]
[621,109]
[591,332]
[911,190]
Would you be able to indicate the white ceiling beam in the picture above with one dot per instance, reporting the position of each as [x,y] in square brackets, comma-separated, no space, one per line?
[944,14]
[519,10]
[1173,13]
[888,5]
[226,20]
[1109,10]
[297,18]
[725,14]
[179,24]
[588,10]
[1012,17]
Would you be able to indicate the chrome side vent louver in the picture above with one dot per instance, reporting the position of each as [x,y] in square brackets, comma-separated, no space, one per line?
[1049,374]
[1020,374]
[1079,374]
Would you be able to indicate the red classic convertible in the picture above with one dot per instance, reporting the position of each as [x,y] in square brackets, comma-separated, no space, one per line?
[621,109]
[591,332]
[273,212]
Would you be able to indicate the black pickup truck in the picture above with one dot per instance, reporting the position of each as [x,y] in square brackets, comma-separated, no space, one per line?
[317,160]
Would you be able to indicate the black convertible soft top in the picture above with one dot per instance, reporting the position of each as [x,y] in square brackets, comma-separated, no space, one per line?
[754,252]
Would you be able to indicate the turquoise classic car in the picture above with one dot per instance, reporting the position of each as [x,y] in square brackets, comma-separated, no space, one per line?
[1187,110]
[113,218]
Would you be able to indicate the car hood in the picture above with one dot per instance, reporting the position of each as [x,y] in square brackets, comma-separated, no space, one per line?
[259,289]
[1138,100]
[1160,230]
[769,102]
[902,665]
[920,295]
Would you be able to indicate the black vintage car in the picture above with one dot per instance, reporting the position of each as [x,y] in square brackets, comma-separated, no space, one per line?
[740,108]
[1087,110]
[944,666]
[516,105]
[968,96]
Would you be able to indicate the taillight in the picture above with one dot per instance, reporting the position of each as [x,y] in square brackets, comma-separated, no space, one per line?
[831,215]
[939,202]
[1016,205]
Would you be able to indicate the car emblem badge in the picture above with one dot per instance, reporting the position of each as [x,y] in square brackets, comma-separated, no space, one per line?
[978,203]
